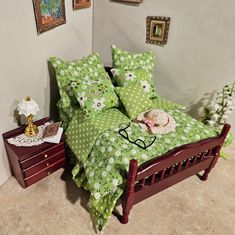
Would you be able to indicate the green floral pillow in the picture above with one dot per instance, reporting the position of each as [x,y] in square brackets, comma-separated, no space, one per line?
[124,78]
[128,61]
[69,73]
[134,99]
[95,96]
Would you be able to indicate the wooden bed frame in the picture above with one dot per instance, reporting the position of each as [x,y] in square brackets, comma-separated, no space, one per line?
[164,171]
[170,168]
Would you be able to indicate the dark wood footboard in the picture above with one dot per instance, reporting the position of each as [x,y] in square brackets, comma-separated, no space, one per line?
[162,172]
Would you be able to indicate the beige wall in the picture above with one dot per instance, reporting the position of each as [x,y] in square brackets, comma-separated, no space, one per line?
[199,56]
[24,54]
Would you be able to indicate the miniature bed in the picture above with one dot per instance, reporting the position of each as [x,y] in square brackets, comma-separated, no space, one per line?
[170,168]
[92,112]
[104,157]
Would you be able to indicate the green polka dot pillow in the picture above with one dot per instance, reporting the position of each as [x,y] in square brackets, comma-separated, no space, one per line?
[134,99]
[95,96]
[124,78]
[128,61]
[69,73]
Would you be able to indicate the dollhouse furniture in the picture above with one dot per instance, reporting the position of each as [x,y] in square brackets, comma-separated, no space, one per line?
[172,167]
[162,172]
[31,164]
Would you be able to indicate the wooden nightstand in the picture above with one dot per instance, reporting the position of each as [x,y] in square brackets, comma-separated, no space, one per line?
[30,164]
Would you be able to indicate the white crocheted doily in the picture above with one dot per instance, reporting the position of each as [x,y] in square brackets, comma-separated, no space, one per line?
[24,141]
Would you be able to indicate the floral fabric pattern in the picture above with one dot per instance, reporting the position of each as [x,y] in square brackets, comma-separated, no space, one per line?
[67,111]
[95,95]
[103,153]
[134,99]
[128,61]
[124,78]
[68,74]
[76,137]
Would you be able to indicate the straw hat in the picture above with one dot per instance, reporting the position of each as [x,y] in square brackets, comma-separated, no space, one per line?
[156,121]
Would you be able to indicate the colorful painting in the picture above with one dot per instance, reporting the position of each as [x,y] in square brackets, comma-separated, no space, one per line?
[49,14]
[78,4]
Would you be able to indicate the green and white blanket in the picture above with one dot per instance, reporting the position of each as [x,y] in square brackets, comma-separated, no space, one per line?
[103,155]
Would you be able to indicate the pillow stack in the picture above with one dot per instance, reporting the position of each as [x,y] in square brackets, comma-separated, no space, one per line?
[134,71]
[85,82]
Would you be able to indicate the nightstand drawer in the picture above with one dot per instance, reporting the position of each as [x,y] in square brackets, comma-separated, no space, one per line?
[41,156]
[43,164]
[30,164]
[34,178]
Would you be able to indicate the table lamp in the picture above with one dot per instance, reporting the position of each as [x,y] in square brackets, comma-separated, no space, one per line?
[29,108]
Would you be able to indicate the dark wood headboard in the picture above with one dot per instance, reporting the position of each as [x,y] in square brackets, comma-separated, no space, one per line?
[108,70]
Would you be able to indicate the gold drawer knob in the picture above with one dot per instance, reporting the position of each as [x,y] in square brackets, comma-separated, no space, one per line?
[48,173]
[48,163]
[45,155]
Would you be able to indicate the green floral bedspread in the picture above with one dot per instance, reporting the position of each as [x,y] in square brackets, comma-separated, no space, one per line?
[103,155]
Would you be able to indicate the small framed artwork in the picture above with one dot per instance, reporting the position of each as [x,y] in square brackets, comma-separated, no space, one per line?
[49,14]
[78,4]
[157,30]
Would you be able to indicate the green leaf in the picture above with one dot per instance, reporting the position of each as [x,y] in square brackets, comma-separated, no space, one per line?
[223,155]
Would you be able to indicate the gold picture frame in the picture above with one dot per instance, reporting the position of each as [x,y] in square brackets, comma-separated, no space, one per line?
[47,15]
[157,30]
[79,4]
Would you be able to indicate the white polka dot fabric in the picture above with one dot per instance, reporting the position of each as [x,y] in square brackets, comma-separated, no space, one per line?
[134,99]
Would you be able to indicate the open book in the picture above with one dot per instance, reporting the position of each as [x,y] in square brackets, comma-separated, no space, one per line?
[52,133]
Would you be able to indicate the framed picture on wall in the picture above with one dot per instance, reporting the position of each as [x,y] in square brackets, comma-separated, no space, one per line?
[78,4]
[157,30]
[49,14]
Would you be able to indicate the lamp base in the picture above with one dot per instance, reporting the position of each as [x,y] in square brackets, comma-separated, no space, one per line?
[31,130]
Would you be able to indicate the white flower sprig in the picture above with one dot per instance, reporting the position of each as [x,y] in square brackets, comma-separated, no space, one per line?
[216,114]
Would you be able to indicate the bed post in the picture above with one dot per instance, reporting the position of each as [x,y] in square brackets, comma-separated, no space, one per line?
[127,201]
[223,135]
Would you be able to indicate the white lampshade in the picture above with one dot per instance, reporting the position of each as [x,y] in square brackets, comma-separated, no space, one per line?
[28,106]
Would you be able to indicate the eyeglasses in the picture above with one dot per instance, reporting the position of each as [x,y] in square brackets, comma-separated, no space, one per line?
[140,143]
